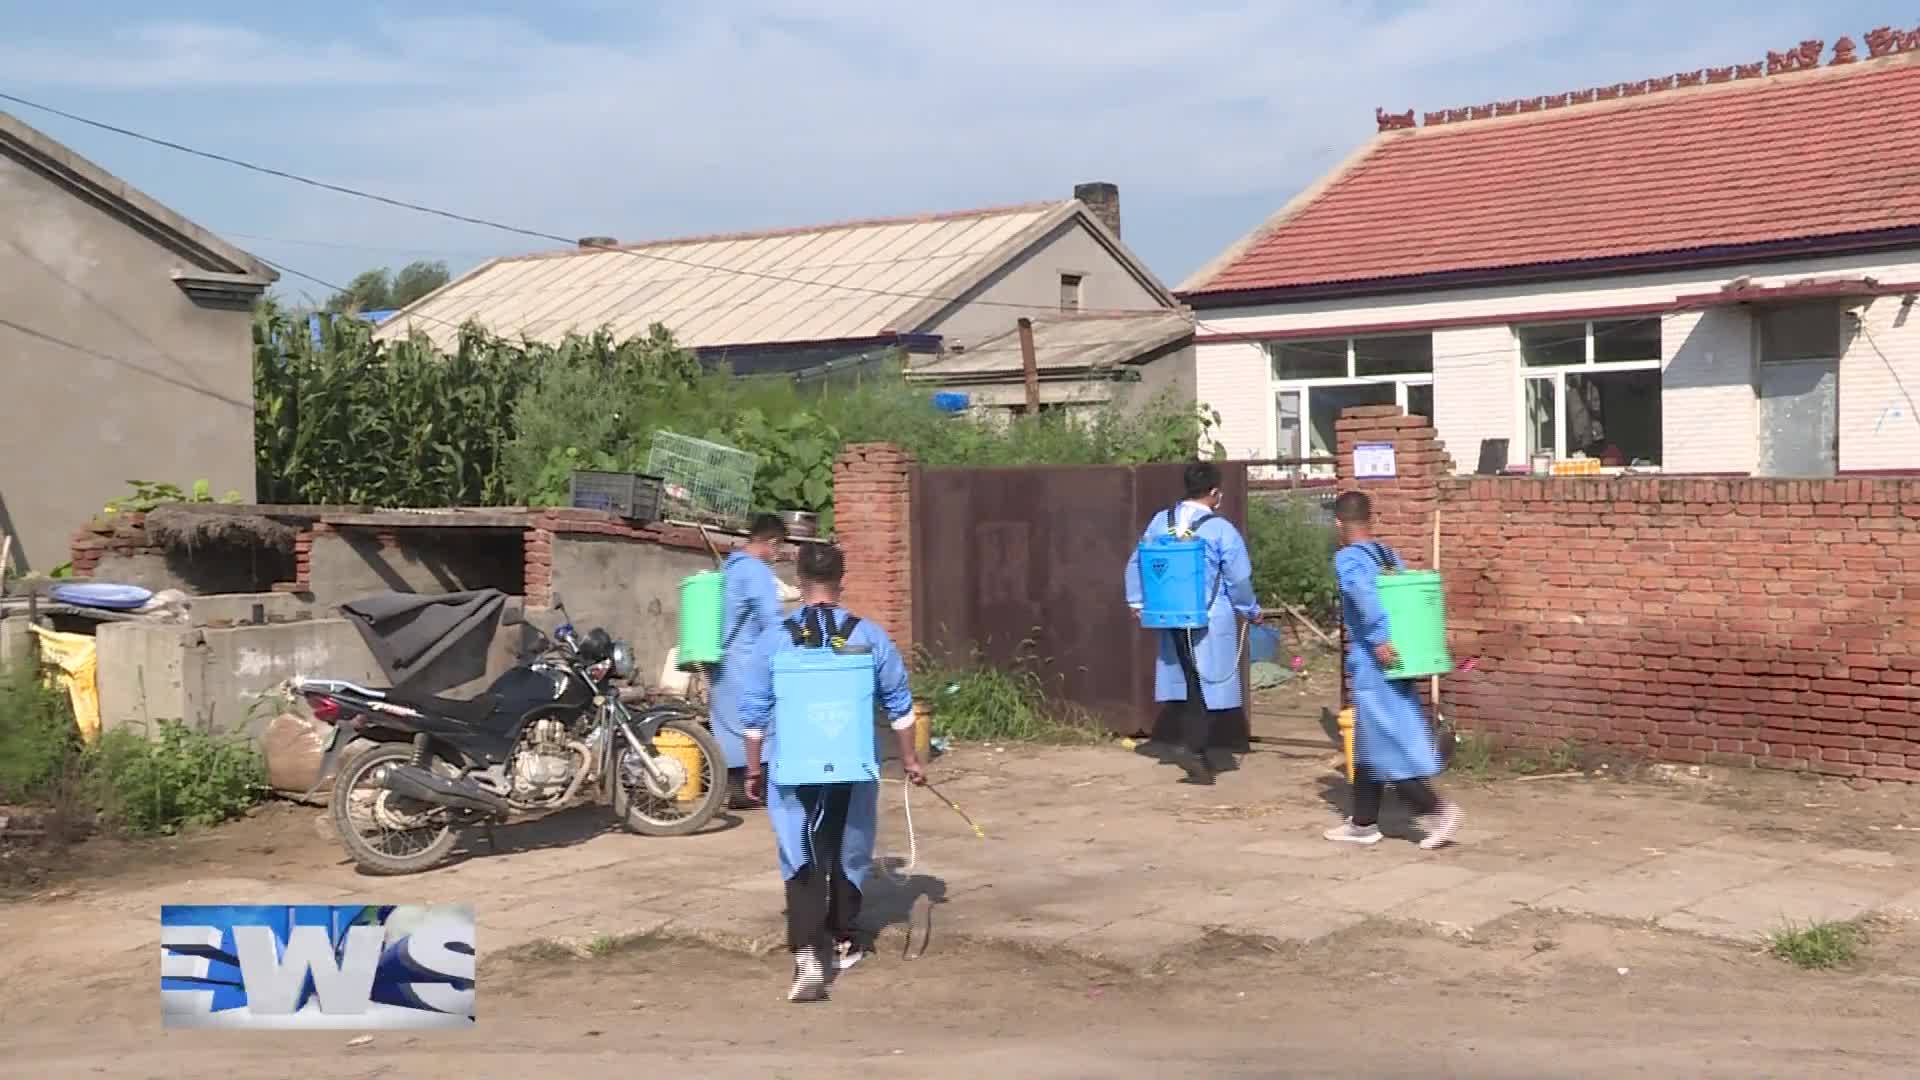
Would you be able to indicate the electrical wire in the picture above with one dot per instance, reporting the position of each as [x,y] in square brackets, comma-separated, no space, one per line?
[538,234]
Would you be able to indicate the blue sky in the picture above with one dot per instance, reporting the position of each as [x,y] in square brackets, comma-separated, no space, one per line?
[639,120]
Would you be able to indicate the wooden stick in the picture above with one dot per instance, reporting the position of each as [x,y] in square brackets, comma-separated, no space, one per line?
[6,560]
[1309,624]
[1552,776]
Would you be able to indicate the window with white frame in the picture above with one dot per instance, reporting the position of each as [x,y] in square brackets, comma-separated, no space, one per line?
[1314,379]
[1591,388]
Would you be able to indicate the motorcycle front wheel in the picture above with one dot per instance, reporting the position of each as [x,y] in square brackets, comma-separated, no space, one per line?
[691,789]
[384,833]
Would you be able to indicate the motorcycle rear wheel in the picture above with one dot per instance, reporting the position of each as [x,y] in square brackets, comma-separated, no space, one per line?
[648,815]
[437,832]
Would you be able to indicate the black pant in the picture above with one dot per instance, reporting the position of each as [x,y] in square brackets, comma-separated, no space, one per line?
[822,904]
[1367,793]
[1196,729]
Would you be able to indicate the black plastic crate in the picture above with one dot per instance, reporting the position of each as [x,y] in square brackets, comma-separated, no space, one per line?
[631,495]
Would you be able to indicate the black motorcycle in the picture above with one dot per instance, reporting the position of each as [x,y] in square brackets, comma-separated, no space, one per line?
[545,732]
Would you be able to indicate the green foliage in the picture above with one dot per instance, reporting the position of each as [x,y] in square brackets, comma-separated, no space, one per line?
[1292,554]
[355,421]
[380,290]
[980,702]
[1818,946]
[148,494]
[185,777]
[37,735]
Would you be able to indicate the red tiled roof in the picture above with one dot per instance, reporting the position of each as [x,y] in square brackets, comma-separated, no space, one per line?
[1825,153]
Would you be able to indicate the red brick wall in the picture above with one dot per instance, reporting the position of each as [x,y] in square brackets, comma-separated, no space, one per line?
[1738,622]
[872,522]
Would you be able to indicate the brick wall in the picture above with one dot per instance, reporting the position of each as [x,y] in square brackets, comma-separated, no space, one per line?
[1737,622]
[872,521]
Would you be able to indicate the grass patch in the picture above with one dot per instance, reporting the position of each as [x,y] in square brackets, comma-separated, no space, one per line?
[1473,755]
[142,785]
[982,702]
[1819,946]
[38,740]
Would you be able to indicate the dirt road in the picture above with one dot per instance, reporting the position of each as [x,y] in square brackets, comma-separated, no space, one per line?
[1537,999]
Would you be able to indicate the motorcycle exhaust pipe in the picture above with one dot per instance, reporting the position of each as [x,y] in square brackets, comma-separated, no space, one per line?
[413,782]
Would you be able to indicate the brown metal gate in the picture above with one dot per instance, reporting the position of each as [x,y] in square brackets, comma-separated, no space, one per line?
[1029,561]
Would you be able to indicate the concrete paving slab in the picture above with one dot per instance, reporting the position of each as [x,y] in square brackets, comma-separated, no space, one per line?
[1482,900]
[1398,890]
[1752,912]
[1661,886]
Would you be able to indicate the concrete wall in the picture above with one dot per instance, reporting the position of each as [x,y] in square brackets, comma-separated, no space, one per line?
[1172,374]
[118,376]
[631,589]
[1708,398]
[222,679]
[348,564]
[1034,279]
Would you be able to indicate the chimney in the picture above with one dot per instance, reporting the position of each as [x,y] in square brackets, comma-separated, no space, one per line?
[589,242]
[1104,200]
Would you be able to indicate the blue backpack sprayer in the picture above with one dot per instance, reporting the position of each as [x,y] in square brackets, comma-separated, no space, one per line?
[823,722]
[1173,582]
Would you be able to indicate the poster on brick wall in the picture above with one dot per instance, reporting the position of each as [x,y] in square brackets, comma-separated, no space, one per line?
[1373,461]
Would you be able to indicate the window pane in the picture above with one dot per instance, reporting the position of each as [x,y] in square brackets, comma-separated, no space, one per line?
[1326,402]
[1288,442]
[1621,340]
[1800,332]
[1615,416]
[1552,344]
[1393,355]
[1069,292]
[1309,359]
[1543,416]
[1420,401]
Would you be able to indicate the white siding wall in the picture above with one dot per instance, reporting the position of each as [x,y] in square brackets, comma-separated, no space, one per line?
[1233,380]
[1710,414]
[1879,421]
[1474,388]
[1708,411]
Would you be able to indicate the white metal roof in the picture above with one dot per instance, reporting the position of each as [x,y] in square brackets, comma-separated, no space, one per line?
[1062,344]
[827,283]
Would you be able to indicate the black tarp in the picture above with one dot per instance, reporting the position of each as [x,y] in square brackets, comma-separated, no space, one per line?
[428,643]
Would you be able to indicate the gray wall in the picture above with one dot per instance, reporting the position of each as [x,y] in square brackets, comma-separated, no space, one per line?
[633,590]
[136,383]
[351,563]
[1035,279]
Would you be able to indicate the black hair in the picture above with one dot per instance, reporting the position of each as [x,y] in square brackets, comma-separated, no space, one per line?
[824,564]
[768,527]
[1353,508]
[1202,478]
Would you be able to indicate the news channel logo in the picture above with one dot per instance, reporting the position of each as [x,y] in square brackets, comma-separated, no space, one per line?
[317,966]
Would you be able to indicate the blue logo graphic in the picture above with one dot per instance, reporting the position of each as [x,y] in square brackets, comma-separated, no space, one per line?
[360,967]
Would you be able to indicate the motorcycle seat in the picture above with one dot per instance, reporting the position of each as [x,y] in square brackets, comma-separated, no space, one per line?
[473,713]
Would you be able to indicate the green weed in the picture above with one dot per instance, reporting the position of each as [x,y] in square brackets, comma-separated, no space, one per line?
[982,702]
[184,777]
[1818,946]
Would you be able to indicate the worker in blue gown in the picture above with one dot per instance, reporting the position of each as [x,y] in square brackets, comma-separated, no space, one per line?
[1392,741]
[824,832]
[751,608]
[1201,667]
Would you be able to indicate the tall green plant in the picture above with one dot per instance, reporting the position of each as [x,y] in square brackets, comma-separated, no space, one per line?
[352,420]
[1292,553]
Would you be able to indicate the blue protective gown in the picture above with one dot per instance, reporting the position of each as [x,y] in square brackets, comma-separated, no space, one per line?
[752,607]
[1392,740]
[891,693]
[1216,649]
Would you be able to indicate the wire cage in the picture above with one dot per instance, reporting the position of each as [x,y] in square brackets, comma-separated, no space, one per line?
[704,482]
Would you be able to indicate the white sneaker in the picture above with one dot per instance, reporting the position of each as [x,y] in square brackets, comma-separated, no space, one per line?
[1441,827]
[809,977]
[846,954]
[1348,833]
